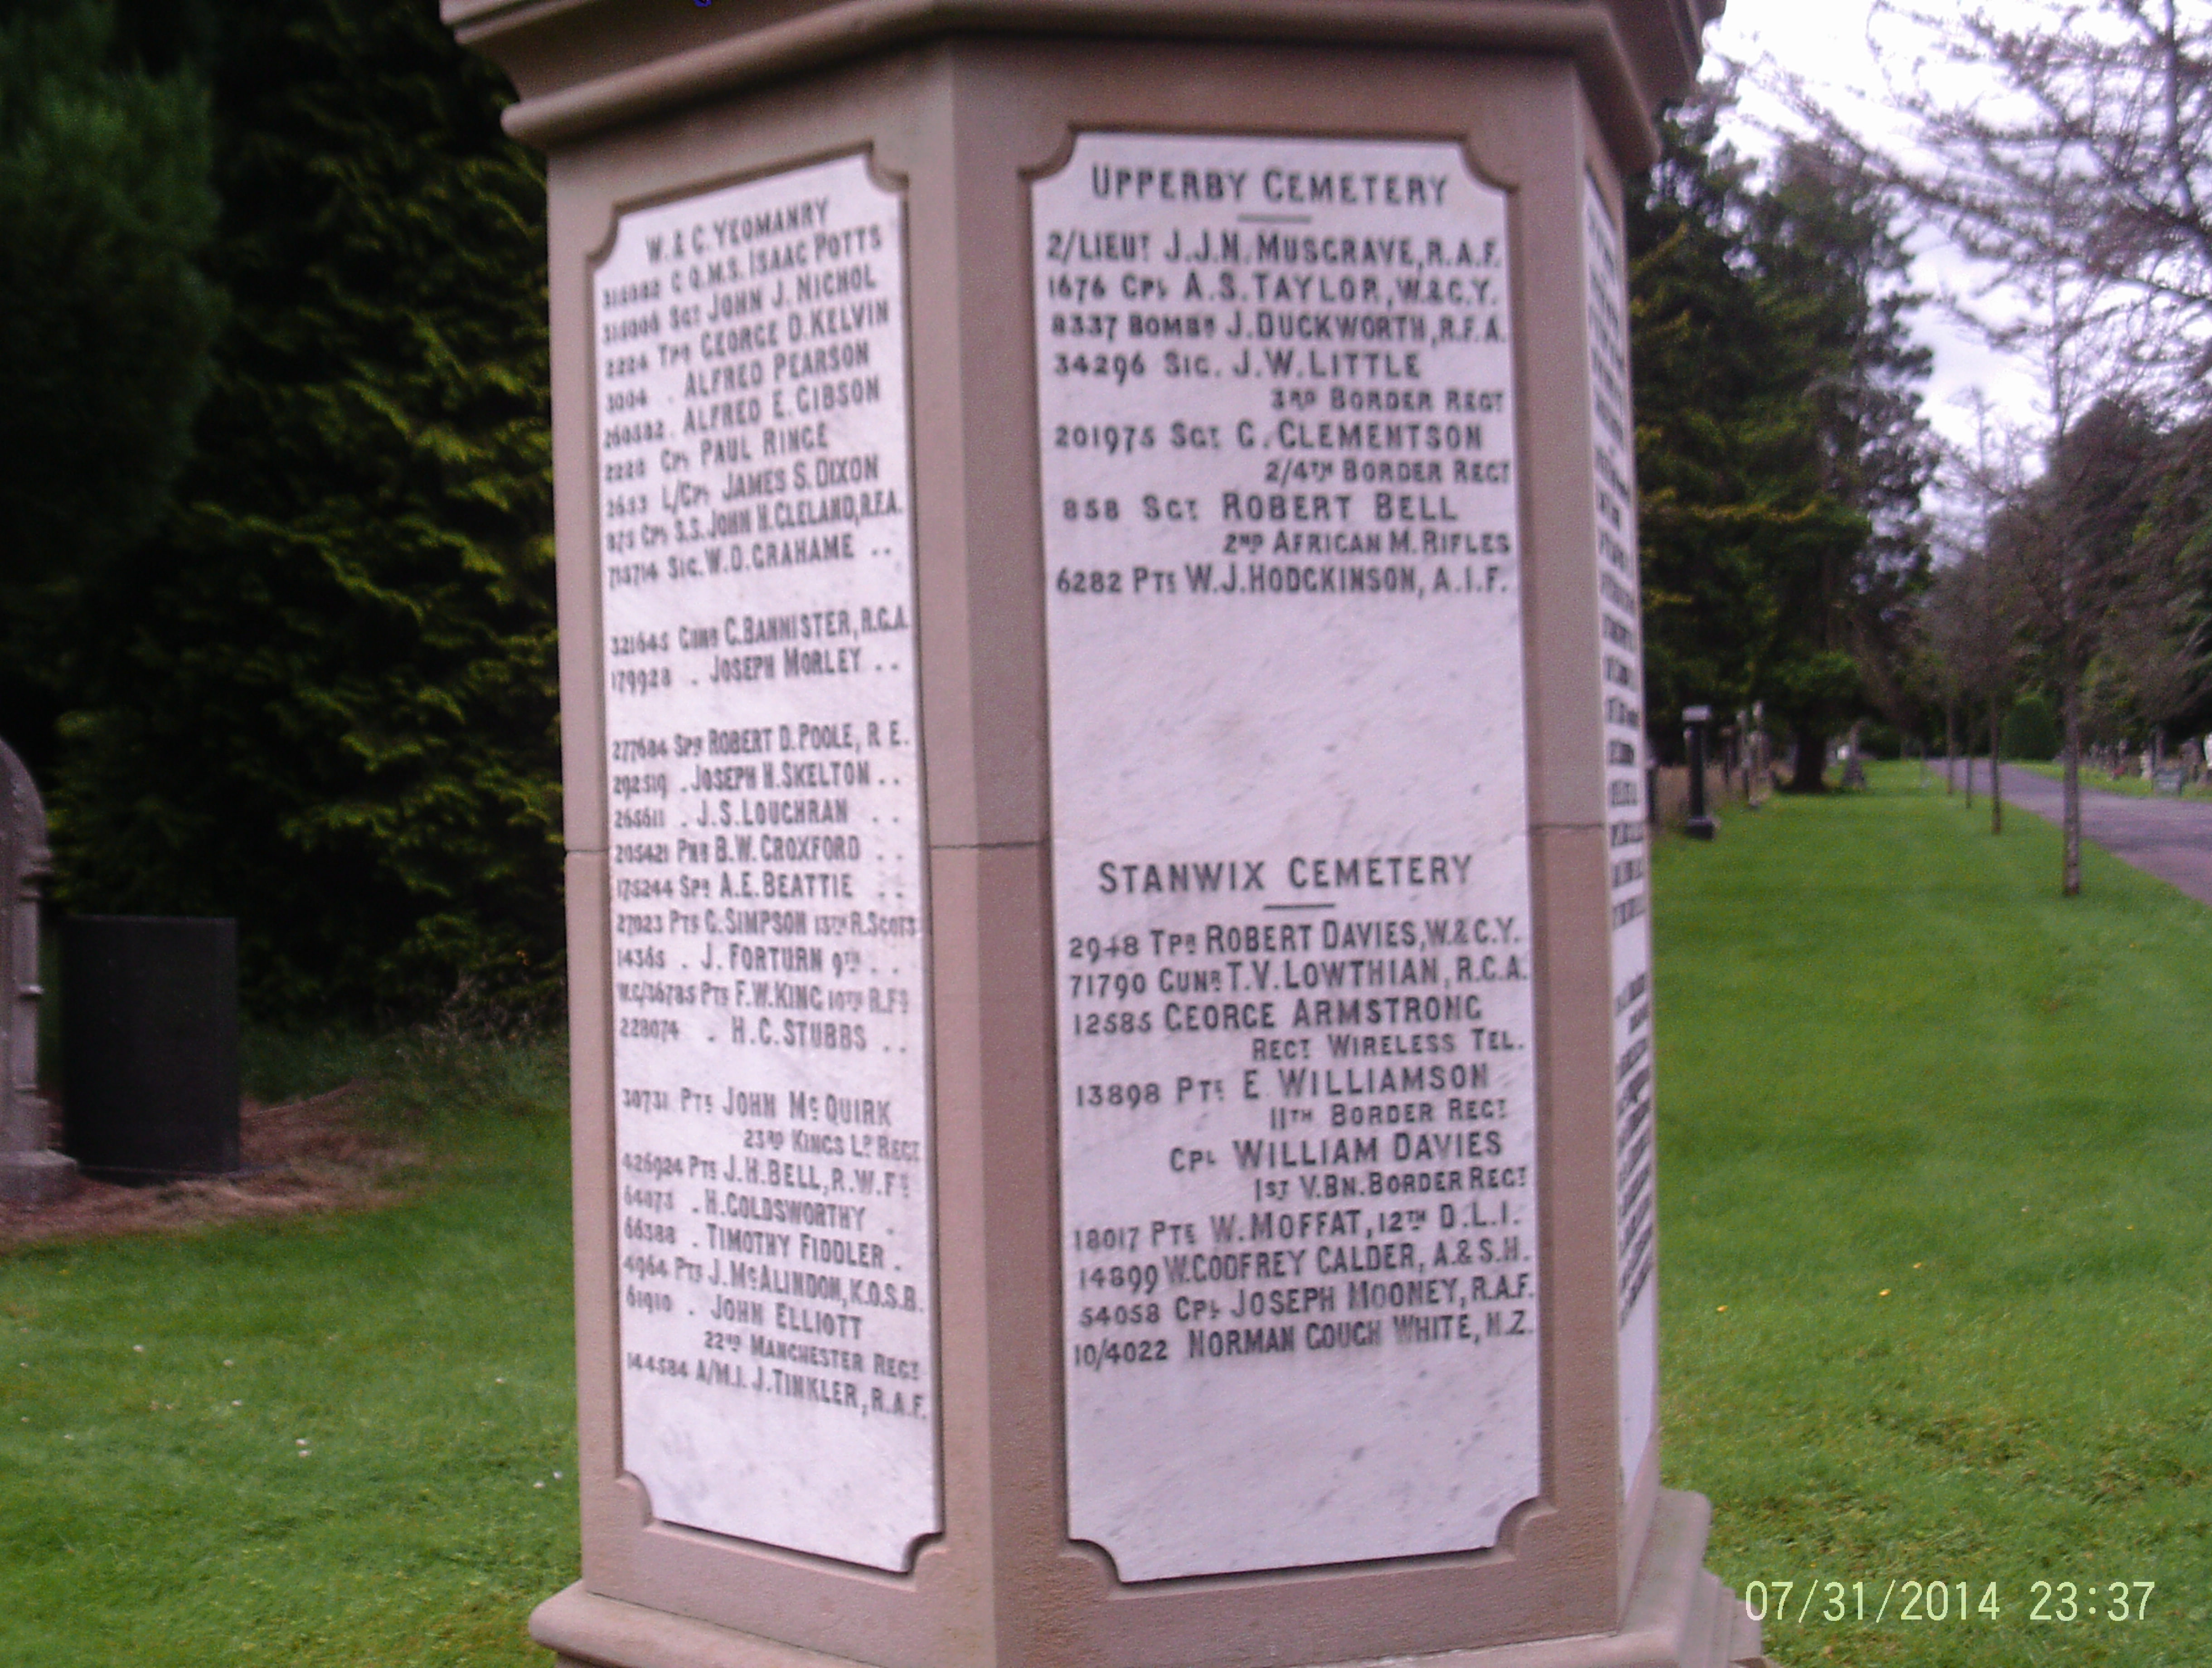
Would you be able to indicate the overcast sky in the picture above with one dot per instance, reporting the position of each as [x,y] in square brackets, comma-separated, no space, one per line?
[1826,42]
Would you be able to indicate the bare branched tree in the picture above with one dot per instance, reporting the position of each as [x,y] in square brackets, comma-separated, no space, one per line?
[1971,624]
[2074,147]
[2067,546]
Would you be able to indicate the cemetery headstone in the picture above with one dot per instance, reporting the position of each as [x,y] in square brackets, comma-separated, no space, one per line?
[1109,906]
[30,1173]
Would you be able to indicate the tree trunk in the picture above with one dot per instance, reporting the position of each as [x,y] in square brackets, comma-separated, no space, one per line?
[1807,775]
[2069,701]
[1970,758]
[1996,790]
[1950,746]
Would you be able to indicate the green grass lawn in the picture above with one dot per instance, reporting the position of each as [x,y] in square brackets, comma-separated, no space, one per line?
[1936,1278]
[348,1441]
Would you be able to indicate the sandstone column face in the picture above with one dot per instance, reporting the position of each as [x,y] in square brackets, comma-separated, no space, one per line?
[1110,972]
[1289,851]
[1620,627]
[767,912]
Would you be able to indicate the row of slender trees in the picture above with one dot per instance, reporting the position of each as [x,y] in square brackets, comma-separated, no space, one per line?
[2088,576]
[2068,151]
[1808,543]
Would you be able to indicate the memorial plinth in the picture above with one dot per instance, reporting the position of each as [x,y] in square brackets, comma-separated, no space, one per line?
[1110,963]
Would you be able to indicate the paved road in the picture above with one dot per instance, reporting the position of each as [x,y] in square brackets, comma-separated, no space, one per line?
[2169,838]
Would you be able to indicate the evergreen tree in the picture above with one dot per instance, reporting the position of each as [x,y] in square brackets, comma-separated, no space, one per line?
[1728,479]
[325,699]
[106,336]
[1822,235]
[1779,449]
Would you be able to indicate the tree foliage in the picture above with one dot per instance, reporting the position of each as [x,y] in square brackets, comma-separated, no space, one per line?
[1780,451]
[2031,728]
[323,696]
[105,338]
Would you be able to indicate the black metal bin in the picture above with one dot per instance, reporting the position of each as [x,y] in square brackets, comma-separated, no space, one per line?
[150,1046]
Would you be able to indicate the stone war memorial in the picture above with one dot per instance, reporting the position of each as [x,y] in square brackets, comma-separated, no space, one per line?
[1110,962]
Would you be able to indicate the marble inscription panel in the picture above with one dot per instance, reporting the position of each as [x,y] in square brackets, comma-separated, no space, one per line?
[1621,623]
[771,1057]
[1290,847]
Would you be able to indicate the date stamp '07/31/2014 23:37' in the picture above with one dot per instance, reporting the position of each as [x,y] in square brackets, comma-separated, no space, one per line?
[1910,1600]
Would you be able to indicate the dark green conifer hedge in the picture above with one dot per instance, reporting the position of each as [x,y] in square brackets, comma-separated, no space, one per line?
[105,211]
[323,698]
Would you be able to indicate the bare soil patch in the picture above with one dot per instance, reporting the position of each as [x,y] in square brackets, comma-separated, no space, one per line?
[306,1157]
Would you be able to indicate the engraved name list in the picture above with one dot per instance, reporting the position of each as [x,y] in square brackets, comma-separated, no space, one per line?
[1628,881]
[767,872]
[1281,531]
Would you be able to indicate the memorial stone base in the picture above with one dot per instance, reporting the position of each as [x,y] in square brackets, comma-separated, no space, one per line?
[1678,1615]
[37,1178]
[1110,945]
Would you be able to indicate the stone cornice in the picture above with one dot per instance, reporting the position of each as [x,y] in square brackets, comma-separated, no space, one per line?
[1634,53]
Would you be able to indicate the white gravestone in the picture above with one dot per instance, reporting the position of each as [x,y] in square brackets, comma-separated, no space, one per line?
[1290,849]
[1629,885]
[770,1060]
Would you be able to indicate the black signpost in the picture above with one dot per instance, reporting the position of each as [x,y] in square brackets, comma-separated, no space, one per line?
[1701,825]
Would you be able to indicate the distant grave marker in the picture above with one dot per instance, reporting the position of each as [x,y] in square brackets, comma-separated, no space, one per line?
[29,1173]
